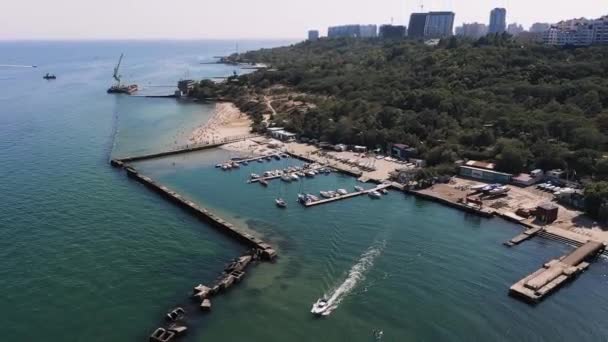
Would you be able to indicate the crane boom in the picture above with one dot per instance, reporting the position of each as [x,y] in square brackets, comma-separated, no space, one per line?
[116,75]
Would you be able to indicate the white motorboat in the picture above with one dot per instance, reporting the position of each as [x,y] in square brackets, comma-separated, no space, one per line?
[500,190]
[236,165]
[294,177]
[286,178]
[342,192]
[326,194]
[384,191]
[375,194]
[255,176]
[320,307]
[218,165]
[359,188]
[310,174]
[312,197]
[280,203]
[301,174]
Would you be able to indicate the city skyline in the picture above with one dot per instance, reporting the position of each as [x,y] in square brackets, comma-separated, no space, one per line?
[113,19]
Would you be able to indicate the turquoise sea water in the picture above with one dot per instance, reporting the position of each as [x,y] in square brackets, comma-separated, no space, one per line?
[89,255]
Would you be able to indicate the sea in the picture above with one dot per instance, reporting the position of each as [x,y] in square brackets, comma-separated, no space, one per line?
[86,254]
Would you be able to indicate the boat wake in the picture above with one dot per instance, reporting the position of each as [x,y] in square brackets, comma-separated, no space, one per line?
[16,66]
[355,275]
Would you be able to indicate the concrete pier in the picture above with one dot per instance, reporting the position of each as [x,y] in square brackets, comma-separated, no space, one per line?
[266,250]
[553,274]
[181,150]
[528,234]
[349,195]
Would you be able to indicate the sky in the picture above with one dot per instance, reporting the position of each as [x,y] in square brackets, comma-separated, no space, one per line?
[251,19]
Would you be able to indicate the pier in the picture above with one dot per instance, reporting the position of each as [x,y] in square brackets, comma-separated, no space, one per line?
[267,251]
[349,195]
[181,150]
[257,180]
[528,234]
[553,274]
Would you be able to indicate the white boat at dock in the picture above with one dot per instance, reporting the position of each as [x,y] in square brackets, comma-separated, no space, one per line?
[310,174]
[327,194]
[359,188]
[294,177]
[254,176]
[384,191]
[342,192]
[286,178]
[375,194]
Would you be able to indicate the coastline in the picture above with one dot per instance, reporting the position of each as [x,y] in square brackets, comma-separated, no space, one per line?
[227,121]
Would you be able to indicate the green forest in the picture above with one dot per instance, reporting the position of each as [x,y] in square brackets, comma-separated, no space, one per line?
[524,106]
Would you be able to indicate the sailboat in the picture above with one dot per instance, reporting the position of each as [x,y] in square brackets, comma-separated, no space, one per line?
[280,202]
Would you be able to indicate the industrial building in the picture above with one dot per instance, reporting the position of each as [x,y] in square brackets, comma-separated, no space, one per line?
[485,175]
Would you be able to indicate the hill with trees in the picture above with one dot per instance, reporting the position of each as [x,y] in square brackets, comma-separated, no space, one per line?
[523,106]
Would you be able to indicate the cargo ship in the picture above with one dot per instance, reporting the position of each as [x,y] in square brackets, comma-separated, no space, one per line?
[120,88]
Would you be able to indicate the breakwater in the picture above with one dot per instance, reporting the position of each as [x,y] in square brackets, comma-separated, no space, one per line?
[181,150]
[232,274]
[202,213]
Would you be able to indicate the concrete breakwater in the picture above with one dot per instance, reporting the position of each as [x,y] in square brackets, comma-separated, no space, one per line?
[231,275]
[267,251]
[181,150]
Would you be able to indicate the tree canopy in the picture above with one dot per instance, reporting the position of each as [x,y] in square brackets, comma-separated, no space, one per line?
[524,106]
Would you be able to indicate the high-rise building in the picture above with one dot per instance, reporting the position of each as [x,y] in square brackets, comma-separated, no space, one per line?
[368,31]
[313,35]
[431,25]
[498,20]
[515,29]
[392,31]
[439,25]
[539,27]
[353,31]
[417,25]
[472,30]
[578,32]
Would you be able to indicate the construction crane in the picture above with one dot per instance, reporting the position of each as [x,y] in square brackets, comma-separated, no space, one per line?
[116,75]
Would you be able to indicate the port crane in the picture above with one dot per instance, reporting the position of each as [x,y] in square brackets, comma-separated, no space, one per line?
[116,68]
[119,88]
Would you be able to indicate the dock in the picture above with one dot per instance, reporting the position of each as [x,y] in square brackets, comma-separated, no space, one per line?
[181,150]
[257,180]
[555,273]
[349,195]
[528,234]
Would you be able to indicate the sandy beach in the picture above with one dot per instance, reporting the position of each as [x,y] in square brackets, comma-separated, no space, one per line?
[227,121]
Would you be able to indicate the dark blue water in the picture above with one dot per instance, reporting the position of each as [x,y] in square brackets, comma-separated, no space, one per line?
[88,255]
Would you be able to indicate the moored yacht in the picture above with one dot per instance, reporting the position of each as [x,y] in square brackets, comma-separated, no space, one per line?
[375,194]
